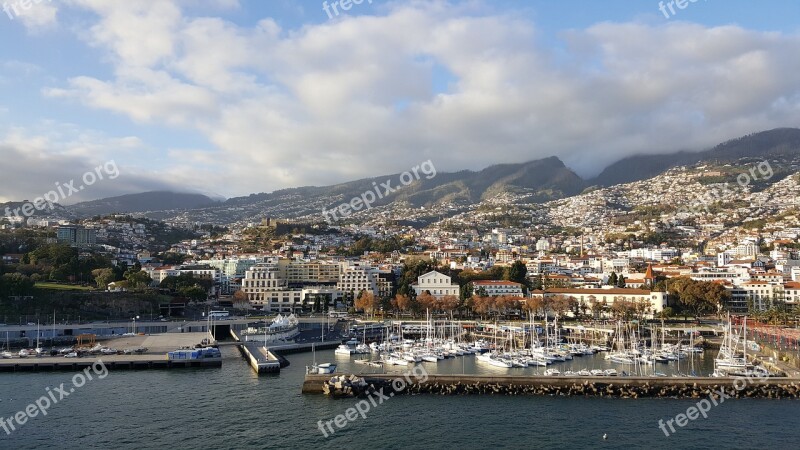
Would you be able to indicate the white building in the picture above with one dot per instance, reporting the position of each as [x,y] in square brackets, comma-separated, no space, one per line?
[358,277]
[436,283]
[266,291]
[495,288]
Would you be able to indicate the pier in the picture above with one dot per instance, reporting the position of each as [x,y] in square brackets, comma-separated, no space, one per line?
[613,387]
[111,362]
[154,358]
[269,358]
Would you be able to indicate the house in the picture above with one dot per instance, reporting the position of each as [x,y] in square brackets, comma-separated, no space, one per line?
[435,283]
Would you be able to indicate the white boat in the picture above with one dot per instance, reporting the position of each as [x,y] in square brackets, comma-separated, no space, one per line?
[494,360]
[584,373]
[552,373]
[324,368]
[610,372]
[282,329]
[428,357]
[344,349]
[367,362]
[7,353]
[598,373]
[71,355]
[23,353]
[396,360]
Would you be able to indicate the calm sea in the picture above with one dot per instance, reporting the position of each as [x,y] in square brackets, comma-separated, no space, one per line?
[233,408]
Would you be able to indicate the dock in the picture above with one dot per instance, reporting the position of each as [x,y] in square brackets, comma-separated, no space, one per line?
[613,387]
[154,358]
[111,362]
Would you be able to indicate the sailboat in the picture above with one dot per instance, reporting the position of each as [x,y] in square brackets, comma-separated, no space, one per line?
[6,354]
[732,357]
[38,349]
[323,368]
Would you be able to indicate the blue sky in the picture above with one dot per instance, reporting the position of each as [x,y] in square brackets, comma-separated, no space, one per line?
[230,97]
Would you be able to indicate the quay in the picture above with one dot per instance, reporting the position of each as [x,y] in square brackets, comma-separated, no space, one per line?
[269,358]
[611,387]
[154,358]
[111,362]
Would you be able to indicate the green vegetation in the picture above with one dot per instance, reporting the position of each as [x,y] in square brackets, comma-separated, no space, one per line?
[61,287]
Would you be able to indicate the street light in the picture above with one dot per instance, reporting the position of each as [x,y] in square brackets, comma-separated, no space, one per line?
[134,324]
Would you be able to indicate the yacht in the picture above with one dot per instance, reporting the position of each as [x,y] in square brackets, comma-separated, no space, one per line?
[6,355]
[552,373]
[324,368]
[494,360]
[396,360]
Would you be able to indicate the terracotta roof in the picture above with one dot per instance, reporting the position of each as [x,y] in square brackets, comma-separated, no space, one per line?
[495,283]
[617,291]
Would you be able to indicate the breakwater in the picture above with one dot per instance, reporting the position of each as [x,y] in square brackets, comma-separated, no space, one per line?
[613,387]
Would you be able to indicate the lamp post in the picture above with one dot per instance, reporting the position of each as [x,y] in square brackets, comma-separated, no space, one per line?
[134,323]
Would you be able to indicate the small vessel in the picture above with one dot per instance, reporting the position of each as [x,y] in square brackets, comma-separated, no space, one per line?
[584,373]
[6,354]
[24,353]
[396,360]
[323,368]
[598,373]
[552,373]
[610,372]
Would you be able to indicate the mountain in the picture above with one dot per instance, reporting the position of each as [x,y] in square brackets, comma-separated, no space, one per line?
[146,201]
[543,180]
[446,194]
[777,143]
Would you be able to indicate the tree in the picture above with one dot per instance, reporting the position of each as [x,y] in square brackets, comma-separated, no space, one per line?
[621,281]
[137,280]
[426,301]
[449,303]
[366,301]
[612,279]
[401,302]
[240,300]
[193,293]
[102,277]
[537,284]
[518,273]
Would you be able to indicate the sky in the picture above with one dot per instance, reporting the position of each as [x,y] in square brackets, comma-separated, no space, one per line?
[233,97]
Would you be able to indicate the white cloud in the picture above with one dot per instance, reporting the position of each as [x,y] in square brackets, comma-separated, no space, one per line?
[318,104]
[36,15]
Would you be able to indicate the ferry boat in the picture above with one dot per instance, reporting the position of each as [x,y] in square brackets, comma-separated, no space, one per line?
[282,328]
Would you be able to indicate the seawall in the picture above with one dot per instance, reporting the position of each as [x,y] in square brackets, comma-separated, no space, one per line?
[614,387]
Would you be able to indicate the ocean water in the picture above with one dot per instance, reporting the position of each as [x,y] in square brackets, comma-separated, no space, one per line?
[232,408]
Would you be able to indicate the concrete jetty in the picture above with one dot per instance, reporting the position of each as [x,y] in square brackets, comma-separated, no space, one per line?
[155,357]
